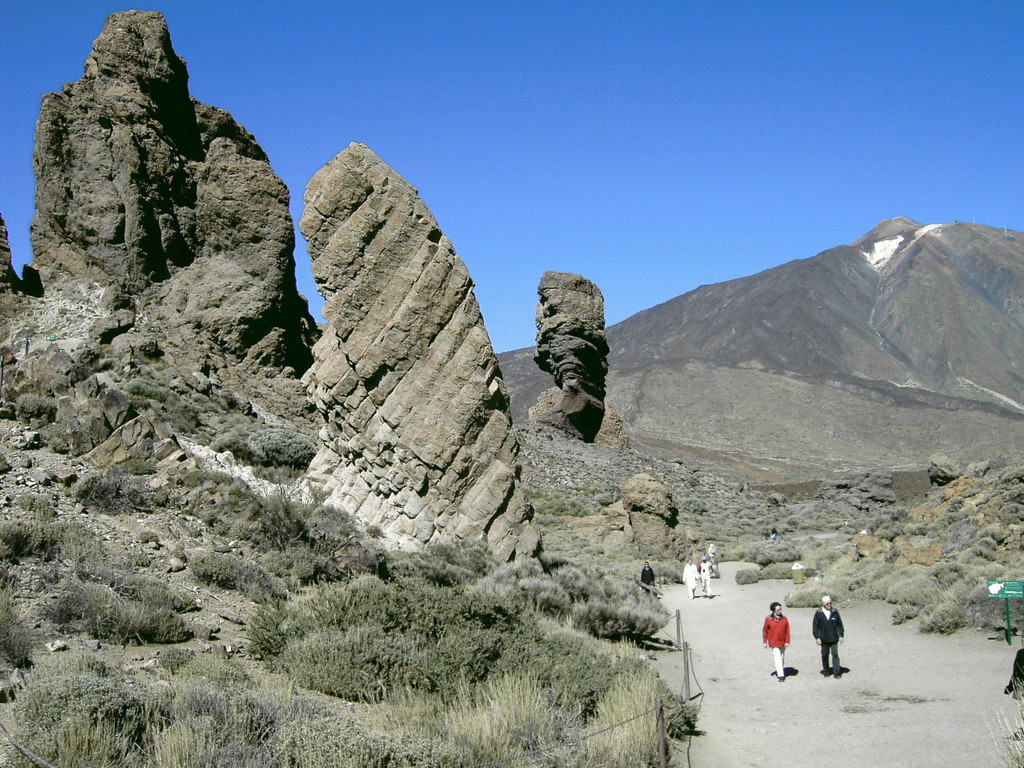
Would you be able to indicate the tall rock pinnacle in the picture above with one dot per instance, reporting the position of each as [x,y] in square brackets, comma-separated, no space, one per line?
[164,211]
[416,434]
[572,347]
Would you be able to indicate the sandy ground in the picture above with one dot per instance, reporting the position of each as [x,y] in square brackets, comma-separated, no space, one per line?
[908,700]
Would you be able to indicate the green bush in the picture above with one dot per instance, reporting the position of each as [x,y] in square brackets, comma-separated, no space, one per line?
[174,659]
[337,742]
[575,668]
[29,538]
[232,572]
[275,447]
[944,618]
[106,615]
[16,637]
[447,564]
[904,613]
[30,407]
[636,619]
[144,393]
[212,669]
[361,663]
[748,576]
[40,506]
[50,710]
[603,606]
[267,629]
[778,551]
[114,492]
[555,504]
[782,570]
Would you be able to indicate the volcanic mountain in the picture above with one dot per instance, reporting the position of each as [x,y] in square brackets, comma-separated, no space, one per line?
[905,344]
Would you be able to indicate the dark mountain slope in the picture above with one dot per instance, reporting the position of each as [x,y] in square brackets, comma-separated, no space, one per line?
[906,343]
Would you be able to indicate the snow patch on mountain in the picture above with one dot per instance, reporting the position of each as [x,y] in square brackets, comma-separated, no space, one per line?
[881,252]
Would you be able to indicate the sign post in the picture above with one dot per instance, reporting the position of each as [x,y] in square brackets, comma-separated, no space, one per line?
[1006,590]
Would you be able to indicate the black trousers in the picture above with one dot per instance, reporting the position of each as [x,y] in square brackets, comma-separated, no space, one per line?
[833,649]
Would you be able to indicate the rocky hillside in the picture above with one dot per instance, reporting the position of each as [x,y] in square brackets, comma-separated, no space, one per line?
[159,316]
[880,353]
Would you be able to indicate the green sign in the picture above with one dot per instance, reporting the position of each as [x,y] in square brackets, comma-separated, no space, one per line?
[1006,589]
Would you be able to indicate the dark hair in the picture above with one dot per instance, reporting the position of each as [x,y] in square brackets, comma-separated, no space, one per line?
[773,606]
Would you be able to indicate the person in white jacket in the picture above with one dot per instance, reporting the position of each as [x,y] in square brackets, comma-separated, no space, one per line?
[690,577]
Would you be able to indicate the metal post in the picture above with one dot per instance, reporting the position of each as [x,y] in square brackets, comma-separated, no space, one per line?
[686,671]
[679,631]
[1008,632]
[662,741]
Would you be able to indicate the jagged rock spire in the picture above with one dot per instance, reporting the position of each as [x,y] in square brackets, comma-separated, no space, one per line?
[416,434]
[572,347]
[165,207]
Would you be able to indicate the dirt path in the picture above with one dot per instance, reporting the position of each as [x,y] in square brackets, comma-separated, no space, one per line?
[909,700]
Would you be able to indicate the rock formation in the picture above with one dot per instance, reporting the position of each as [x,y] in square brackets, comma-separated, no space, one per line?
[645,517]
[416,434]
[9,278]
[572,347]
[159,218]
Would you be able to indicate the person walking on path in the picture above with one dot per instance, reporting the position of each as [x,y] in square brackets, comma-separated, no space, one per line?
[690,578]
[647,574]
[827,627]
[705,576]
[775,635]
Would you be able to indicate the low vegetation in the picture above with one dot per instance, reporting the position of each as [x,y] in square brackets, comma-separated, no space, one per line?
[439,658]
[449,669]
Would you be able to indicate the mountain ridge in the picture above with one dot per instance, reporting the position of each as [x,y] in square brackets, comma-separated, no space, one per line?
[908,319]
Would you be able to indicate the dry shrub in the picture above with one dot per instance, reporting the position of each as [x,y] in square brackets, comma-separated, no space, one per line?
[114,492]
[748,576]
[342,742]
[502,719]
[630,701]
[16,637]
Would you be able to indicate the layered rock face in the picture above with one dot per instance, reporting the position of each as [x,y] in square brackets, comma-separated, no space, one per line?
[416,434]
[8,278]
[161,216]
[572,347]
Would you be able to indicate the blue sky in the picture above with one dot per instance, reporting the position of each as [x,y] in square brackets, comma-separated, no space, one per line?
[650,146]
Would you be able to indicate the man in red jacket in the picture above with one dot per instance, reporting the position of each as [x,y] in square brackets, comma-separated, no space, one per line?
[775,635]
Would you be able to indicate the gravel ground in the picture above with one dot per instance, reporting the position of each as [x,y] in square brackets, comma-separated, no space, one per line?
[908,700]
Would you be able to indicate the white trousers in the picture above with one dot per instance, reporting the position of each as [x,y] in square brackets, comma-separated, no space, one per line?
[779,654]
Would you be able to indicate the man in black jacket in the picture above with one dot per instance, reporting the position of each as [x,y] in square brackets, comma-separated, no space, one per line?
[828,631]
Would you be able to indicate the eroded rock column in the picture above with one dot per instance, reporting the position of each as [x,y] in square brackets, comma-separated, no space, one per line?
[416,434]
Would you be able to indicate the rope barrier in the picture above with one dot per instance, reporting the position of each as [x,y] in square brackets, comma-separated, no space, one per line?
[700,703]
[574,742]
[24,750]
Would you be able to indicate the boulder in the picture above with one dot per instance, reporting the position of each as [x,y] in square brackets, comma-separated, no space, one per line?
[416,436]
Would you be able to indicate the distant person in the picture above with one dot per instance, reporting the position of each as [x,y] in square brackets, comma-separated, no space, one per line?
[690,578]
[775,635]
[1015,687]
[828,631]
[713,559]
[705,576]
[647,574]
[774,534]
